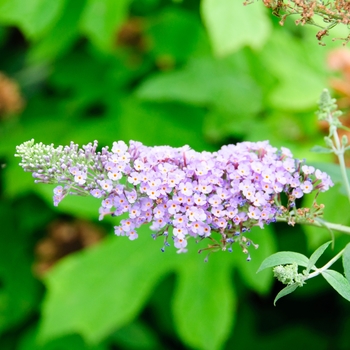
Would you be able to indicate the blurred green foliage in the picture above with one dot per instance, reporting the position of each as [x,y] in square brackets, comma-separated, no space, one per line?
[203,73]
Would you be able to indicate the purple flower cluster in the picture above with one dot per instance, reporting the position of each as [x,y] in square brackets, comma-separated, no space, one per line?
[178,191]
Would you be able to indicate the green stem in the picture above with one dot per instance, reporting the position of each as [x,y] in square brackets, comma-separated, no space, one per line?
[325,267]
[340,154]
[329,225]
[343,172]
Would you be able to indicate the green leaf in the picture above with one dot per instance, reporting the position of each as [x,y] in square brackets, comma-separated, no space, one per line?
[150,123]
[175,35]
[34,17]
[231,25]
[286,134]
[30,341]
[228,90]
[62,36]
[285,291]
[185,85]
[220,125]
[98,290]
[316,255]
[282,258]
[137,335]
[204,301]
[297,87]
[338,282]
[320,149]
[346,262]
[101,20]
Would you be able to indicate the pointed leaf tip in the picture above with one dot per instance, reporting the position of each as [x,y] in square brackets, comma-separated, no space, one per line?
[285,291]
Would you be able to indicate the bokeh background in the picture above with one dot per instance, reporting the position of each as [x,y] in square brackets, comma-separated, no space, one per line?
[203,73]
